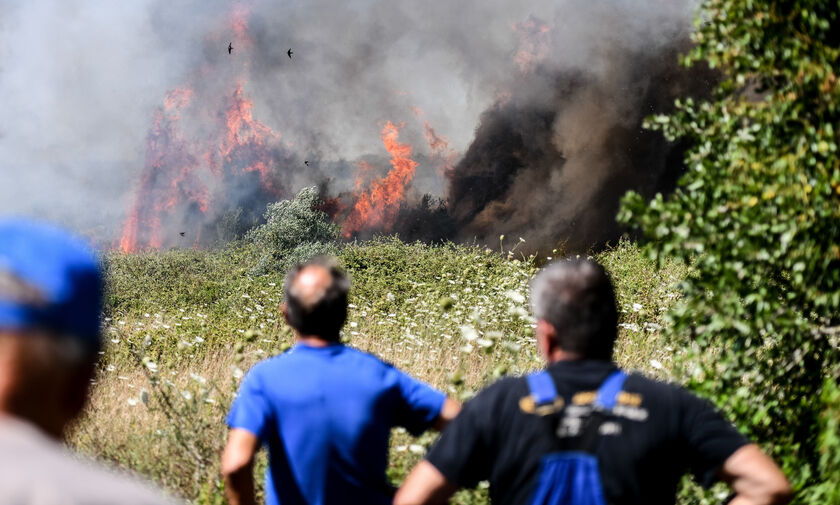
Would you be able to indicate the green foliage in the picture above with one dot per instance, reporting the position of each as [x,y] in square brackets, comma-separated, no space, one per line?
[184,326]
[757,215]
[295,230]
[828,491]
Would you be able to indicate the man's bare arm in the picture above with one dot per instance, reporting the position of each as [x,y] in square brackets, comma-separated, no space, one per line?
[238,466]
[425,485]
[755,478]
[448,412]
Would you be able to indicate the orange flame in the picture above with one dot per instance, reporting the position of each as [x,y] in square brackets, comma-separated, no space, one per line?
[534,43]
[377,207]
[182,174]
[363,175]
[167,153]
[443,155]
[245,140]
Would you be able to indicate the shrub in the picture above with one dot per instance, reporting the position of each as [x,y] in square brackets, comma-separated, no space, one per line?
[757,216]
[295,230]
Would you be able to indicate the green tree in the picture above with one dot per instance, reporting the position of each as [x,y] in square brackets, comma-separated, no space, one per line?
[757,215]
[295,230]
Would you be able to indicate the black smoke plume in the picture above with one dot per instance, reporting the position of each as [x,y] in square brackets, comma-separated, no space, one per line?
[550,163]
[541,102]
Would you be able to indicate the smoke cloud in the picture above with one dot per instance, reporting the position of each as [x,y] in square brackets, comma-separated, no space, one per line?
[523,117]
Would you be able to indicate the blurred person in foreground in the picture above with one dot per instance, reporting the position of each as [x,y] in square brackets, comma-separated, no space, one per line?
[583,431]
[324,410]
[50,295]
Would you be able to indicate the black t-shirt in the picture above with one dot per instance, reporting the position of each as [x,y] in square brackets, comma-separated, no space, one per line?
[655,434]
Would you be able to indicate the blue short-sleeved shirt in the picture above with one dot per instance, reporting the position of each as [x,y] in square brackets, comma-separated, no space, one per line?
[326,415]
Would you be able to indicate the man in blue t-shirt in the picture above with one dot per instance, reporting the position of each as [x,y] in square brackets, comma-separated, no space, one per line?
[324,410]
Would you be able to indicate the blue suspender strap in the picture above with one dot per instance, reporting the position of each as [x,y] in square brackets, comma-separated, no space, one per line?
[542,387]
[608,392]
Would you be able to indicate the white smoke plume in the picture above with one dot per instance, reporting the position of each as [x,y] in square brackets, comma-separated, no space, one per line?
[81,81]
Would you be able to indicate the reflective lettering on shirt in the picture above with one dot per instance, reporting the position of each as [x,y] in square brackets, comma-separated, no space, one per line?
[609,428]
[630,399]
[569,427]
[632,413]
[583,398]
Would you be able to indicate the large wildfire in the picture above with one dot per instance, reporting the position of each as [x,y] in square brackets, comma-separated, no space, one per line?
[551,156]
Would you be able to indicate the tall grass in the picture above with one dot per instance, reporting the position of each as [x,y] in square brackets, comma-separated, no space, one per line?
[183,327]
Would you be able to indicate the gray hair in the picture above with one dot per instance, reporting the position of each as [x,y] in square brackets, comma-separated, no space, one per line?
[576,297]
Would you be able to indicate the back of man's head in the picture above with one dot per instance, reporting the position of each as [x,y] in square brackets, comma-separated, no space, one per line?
[316,298]
[50,302]
[576,297]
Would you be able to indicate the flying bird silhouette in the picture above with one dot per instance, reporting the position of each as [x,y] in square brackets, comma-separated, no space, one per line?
[306,163]
[230,47]
[290,53]
[182,233]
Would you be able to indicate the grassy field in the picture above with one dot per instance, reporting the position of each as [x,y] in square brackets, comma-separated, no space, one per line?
[182,328]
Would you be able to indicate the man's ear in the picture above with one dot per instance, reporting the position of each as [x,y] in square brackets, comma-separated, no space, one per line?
[546,337]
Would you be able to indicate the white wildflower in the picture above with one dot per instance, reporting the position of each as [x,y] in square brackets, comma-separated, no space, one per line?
[484,343]
[637,307]
[186,395]
[656,364]
[468,333]
[198,378]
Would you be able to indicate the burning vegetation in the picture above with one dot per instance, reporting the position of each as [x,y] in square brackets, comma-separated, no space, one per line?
[550,158]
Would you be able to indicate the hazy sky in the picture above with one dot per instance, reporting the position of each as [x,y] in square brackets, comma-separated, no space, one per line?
[80,80]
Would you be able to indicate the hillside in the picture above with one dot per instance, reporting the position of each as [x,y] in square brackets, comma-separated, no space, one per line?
[182,327]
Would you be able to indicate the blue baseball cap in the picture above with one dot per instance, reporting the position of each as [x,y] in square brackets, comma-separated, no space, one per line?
[49,279]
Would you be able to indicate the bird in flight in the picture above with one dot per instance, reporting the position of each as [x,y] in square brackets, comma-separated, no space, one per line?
[182,233]
[230,47]
[306,163]
[290,53]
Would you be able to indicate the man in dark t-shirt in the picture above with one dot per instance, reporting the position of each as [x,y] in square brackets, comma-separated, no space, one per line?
[644,444]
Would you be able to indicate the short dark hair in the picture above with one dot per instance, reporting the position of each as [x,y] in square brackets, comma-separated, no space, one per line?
[325,316]
[576,296]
